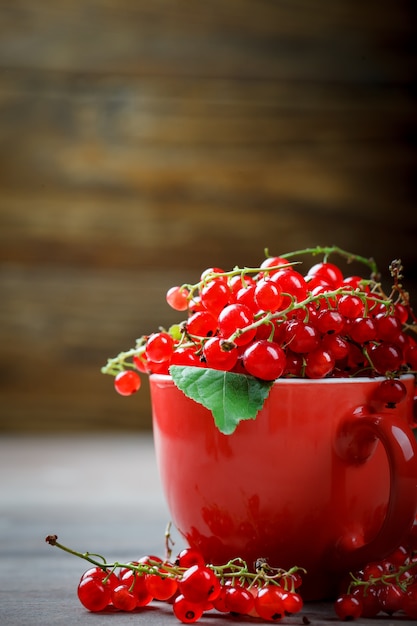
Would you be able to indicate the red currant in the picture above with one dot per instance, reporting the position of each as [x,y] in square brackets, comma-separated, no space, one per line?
[268,295]
[177,298]
[93,594]
[328,272]
[347,607]
[301,337]
[269,603]
[190,556]
[220,354]
[127,382]
[239,600]
[264,359]
[390,392]
[201,324]
[291,283]
[385,357]
[351,306]
[159,347]
[215,294]
[199,584]
[185,611]
[318,363]
[233,319]
[123,599]
[161,587]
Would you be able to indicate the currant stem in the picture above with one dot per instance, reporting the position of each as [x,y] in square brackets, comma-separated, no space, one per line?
[328,250]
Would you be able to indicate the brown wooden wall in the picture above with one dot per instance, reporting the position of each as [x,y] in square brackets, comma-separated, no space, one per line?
[142,141]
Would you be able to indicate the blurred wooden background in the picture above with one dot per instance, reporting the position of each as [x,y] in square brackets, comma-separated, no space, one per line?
[141,142]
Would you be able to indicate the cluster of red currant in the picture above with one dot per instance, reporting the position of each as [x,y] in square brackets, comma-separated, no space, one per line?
[273,321]
[190,585]
[388,586]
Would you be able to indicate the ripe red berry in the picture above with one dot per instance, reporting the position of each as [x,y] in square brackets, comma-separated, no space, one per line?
[347,607]
[233,319]
[159,347]
[127,382]
[327,272]
[390,392]
[264,359]
[199,584]
[177,298]
[219,354]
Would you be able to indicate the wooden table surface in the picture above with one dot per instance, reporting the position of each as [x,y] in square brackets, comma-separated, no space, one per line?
[98,494]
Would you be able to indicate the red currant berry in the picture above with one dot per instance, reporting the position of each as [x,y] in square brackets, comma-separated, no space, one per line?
[246,296]
[177,298]
[347,607]
[185,356]
[362,330]
[123,599]
[264,359]
[368,597]
[388,327]
[276,262]
[215,294]
[385,357]
[159,347]
[318,363]
[293,602]
[93,594]
[233,319]
[409,603]
[301,337]
[327,272]
[239,600]
[127,382]
[185,611]
[268,295]
[269,603]
[188,557]
[390,598]
[238,282]
[136,583]
[220,354]
[291,283]
[199,584]
[336,345]
[390,392]
[329,321]
[161,587]
[351,306]
[201,324]
[401,311]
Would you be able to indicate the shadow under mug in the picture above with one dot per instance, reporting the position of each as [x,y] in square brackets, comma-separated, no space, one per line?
[325,477]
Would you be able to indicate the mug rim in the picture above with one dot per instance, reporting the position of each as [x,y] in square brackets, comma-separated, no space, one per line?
[310,381]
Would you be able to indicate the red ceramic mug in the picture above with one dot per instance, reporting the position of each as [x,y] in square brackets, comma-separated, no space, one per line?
[324,478]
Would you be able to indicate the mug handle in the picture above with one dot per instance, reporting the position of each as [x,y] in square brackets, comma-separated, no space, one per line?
[355,443]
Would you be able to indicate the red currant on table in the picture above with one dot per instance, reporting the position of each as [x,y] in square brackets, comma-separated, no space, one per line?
[186,611]
[269,603]
[94,594]
[347,607]
[199,584]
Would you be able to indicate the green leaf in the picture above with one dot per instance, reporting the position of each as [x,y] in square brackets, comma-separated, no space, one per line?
[230,397]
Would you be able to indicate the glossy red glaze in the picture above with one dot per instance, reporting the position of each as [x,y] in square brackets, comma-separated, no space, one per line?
[324,478]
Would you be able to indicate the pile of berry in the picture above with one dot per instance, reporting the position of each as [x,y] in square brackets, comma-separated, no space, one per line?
[388,586]
[190,585]
[193,587]
[276,321]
